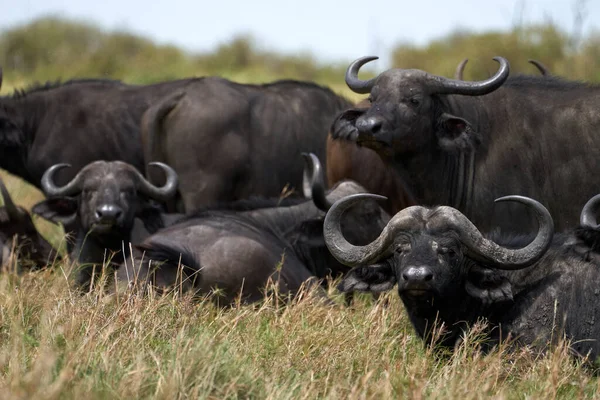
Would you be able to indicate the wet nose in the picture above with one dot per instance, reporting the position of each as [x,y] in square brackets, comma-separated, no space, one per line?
[369,125]
[417,274]
[108,212]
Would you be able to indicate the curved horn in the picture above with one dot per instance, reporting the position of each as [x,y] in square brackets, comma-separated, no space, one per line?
[313,186]
[50,188]
[11,209]
[352,255]
[587,219]
[441,85]
[488,251]
[460,68]
[164,193]
[355,84]
[541,67]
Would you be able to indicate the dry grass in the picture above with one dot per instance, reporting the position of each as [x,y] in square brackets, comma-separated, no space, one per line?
[56,343]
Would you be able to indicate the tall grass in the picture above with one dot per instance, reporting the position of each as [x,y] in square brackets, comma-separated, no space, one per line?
[56,343]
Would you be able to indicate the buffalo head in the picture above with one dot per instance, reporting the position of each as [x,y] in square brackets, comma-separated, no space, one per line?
[17,230]
[433,253]
[407,112]
[104,197]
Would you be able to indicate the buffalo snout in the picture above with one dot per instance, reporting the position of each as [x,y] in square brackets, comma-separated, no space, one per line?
[417,275]
[109,214]
[369,125]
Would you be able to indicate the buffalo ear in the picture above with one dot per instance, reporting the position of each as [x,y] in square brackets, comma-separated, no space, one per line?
[369,278]
[488,286]
[10,134]
[344,126]
[57,209]
[456,135]
[150,212]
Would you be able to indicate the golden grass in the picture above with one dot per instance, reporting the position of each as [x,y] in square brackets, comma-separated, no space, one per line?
[56,343]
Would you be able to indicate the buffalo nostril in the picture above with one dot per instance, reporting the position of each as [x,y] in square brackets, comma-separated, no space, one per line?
[376,127]
[428,277]
[405,277]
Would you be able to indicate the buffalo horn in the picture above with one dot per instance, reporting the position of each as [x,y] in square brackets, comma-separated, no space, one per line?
[587,219]
[357,85]
[164,193]
[313,182]
[489,252]
[352,255]
[460,68]
[11,209]
[50,188]
[441,85]
[541,67]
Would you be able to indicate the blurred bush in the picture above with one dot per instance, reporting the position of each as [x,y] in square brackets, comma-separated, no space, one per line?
[546,43]
[52,48]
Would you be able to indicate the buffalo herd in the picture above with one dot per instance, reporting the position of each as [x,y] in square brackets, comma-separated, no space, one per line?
[473,198]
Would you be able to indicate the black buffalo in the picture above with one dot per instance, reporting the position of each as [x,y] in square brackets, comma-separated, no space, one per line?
[238,248]
[102,201]
[463,144]
[446,269]
[229,141]
[17,232]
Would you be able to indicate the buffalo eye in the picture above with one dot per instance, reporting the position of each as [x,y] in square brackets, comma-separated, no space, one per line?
[414,101]
[449,251]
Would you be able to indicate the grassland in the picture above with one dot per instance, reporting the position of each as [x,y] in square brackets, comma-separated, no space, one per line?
[58,344]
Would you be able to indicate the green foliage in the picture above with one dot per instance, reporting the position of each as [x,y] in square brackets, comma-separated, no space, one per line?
[52,48]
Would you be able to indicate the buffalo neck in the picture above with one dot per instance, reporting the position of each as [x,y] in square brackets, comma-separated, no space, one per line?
[456,314]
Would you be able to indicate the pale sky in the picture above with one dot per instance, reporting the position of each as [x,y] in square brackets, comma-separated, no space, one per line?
[331,30]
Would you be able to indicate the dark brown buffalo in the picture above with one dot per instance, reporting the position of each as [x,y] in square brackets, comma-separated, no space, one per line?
[229,141]
[18,232]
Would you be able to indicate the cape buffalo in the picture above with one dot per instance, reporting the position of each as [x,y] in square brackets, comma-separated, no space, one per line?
[229,141]
[237,251]
[447,270]
[345,160]
[464,144]
[18,231]
[103,200]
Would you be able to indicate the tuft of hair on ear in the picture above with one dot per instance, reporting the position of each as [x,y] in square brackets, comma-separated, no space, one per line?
[456,135]
[590,237]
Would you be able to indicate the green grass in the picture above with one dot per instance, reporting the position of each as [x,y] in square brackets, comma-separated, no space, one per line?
[56,343]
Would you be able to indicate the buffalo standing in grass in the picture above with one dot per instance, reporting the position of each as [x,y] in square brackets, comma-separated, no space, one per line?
[17,231]
[229,141]
[102,201]
[238,248]
[445,269]
[463,144]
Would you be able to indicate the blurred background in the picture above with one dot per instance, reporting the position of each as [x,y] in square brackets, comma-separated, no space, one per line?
[263,40]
